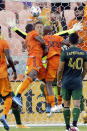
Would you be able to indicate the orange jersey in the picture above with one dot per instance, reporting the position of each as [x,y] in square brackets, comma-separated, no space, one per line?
[54,43]
[81,34]
[3,65]
[85,11]
[33,46]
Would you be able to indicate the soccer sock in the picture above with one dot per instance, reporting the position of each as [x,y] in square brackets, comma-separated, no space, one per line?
[16,113]
[7,105]
[51,100]
[59,99]
[76,113]
[82,104]
[44,90]
[66,114]
[25,84]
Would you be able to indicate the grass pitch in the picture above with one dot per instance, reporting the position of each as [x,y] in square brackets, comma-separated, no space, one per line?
[57,128]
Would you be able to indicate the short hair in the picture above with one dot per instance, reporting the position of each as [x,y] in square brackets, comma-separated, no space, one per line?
[79,8]
[47,30]
[74,38]
[29,27]
[38,22]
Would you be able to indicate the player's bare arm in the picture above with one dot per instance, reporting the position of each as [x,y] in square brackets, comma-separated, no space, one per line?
[10,61]
[14,62]
[60,72]
[84,70]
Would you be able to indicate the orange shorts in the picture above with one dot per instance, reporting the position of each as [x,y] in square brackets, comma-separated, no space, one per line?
[34,63]
[5,87]
[52,67]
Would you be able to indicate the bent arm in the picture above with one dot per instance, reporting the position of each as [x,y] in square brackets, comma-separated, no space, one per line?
[41,40]
[9,59]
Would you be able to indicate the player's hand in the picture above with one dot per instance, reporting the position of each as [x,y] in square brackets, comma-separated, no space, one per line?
[14,75]
[16,62]
[77,26]
[59,84]
[11,22]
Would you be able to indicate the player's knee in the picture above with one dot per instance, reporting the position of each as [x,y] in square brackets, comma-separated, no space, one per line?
[33,74]
[9,95]
[76,103]
[66,108]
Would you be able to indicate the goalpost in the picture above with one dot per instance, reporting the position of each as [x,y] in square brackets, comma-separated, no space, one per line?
[33,112]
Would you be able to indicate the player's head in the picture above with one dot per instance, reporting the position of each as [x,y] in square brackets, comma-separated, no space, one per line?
[79,12]
[39,27]
[47,30]
[29,28]
[74,38]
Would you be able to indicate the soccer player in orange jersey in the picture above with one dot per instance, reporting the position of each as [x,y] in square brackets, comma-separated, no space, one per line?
[79,17]
[5,88]
[35,46]
[53,57]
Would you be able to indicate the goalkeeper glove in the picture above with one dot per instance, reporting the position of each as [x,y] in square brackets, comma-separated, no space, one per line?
[76,27]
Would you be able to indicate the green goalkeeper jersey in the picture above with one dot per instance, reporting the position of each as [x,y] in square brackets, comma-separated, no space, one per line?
[74,58]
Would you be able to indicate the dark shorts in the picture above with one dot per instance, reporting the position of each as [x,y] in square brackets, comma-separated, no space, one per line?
[67,93]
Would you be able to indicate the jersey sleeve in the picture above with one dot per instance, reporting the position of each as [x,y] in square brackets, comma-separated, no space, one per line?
[59,39]
[63,55]
[5,45]
[34,34]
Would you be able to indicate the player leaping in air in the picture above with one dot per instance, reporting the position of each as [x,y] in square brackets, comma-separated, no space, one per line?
[35,46]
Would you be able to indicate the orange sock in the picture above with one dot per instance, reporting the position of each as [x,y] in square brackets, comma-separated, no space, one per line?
[25,84]
[59,99]
[7,105]
[51,100]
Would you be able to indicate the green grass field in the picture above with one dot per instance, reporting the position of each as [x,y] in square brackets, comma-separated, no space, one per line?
[82,128]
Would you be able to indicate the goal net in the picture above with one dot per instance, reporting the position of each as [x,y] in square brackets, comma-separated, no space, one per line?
[61,12]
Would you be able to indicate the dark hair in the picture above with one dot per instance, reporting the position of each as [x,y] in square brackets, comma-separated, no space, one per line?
[73,38]
[47,30]
[79,8]
[29,27]
[38,22]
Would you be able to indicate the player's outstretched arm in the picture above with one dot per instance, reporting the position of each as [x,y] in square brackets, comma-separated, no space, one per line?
[76,27]
[20,32]
[10,61]
[11,23]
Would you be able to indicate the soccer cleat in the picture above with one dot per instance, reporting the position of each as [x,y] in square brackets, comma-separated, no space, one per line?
[48,108]
[68,130]
[22,126]
[49,114]
[57,108]
[4,122]
[17,100]
[74,128]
